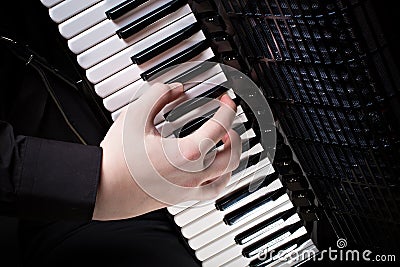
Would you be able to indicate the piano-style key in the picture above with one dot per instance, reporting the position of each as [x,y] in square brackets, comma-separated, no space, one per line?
[168,129]
[292,242]
[134,72]
[165,44]
[264,227]
[207,247]
[215,217]
[203,208]
[303,253]
[154,15]
[67,9]
[268,241]
[113,45]
[108,28]
[230,200]
[195,102]
[170,75]
[123,8]
[251,169]
[86,19]
[242,213]
[179,58]
[130,93]
[220,236]
[275,235]
[50,3]
[121,60]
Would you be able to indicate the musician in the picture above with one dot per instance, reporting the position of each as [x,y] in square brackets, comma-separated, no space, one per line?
[62,168]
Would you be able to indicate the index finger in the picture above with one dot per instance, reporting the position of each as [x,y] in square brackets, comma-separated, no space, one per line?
[217,126]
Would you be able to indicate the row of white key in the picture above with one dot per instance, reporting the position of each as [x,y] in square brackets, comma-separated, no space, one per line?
[86,19]
[132,92]
[240,260]
[207,54]
[207,245]
[176,209]
[133,72]
[66,9]
[196,211]
[122,59]
[224,254]
[107,28]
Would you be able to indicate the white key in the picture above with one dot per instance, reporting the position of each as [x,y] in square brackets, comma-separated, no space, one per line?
[50,3]
[68,8]
[212,241]
[208,220]
[205,55]
[243,261]
[181,207]
[234,250]
[128,94]
[202,208]
[122,59]
[133,72]
[86,19]
[207,245]
[299,255]
[243,173]
[114,44]
[108,28]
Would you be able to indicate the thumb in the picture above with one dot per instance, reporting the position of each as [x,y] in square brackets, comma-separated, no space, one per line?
[157,97]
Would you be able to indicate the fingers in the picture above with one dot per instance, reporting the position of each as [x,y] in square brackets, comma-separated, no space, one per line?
[226,160]
[216,127]
[214,188]
[156,98]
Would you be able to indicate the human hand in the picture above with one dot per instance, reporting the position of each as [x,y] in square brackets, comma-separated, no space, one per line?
[142,171]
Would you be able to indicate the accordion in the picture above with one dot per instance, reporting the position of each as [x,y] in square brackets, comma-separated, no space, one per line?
[328,70]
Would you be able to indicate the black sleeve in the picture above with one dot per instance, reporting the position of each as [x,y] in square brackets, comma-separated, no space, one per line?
[45,179]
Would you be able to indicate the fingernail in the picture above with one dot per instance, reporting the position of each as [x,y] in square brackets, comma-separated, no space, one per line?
[221,96]
[175,86]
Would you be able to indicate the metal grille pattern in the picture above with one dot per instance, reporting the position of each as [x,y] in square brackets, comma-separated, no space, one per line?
[332,84]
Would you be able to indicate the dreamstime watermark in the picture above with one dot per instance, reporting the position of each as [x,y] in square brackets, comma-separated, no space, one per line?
[331,254]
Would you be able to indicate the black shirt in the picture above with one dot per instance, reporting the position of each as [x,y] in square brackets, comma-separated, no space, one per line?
[50,124]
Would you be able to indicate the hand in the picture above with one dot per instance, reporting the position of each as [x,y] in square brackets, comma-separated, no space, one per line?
[142,171]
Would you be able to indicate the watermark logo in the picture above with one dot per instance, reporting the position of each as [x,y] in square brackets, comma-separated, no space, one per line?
[341,253]
[341,243]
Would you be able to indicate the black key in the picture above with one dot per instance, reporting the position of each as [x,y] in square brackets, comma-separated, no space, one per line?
[247,162]
[243,192]
[263,227]
[193,125]
[244,211]
[123,8]
[139,24]
[165,44]
[269,257]
[193,72]
[242,128]
[194,103]
[255,248]
[179,58]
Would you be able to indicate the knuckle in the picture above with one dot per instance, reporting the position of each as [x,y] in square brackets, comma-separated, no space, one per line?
[193,181]
[191,153]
